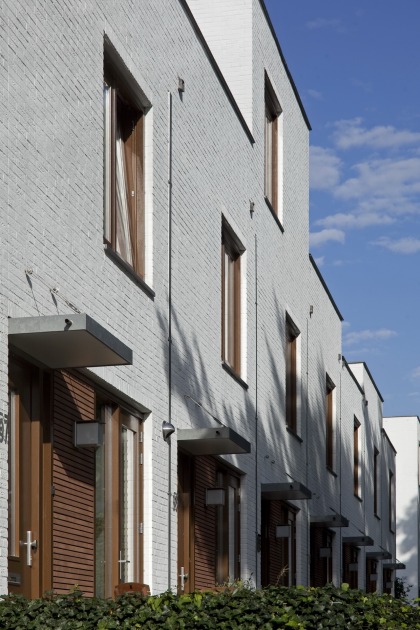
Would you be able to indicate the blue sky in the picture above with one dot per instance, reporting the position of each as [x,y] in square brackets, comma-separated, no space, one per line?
[356,66]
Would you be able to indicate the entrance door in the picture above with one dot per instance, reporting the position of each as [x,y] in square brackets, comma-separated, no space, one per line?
[29,515]
[118,513]
[185,526]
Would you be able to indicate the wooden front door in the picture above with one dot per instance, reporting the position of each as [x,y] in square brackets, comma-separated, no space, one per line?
[118,502]
[29,553]
[185,525]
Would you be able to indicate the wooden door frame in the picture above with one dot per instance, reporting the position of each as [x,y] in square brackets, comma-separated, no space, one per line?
[186,546]
[35,466]
[115,418]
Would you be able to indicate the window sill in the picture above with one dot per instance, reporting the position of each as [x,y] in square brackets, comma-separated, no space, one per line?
[234,375]
[274,213]
[331,471]
[377,516]
[356,496]
[294,434]
[129,271]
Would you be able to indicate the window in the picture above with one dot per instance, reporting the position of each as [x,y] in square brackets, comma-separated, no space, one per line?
[356,457]
[376,481]
[231,298]
[292,335]
[391,501]
[124,172]
[330,409]
[273,139]
[227,529]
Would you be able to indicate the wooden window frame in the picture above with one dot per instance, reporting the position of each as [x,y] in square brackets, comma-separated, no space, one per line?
[232,250]
[124,112]
[356,457]
[271,147]
[329,424]
[292,334]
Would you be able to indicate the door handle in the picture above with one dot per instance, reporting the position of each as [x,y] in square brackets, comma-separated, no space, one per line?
[121,561]
[29,544]
[184,578]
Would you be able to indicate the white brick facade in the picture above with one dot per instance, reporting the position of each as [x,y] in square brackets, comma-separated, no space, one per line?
[51,212]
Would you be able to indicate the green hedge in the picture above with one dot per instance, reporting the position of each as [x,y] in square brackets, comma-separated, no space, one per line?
[276,607]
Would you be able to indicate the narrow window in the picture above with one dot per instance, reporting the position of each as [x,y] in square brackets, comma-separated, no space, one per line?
[228,559]
[375,482]
[391,500]
[231,298]
[329,442]
[124,173]
[273,148]
[356,457]
[292,334]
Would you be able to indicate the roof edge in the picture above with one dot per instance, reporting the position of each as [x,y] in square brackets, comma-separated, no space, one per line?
[286,67]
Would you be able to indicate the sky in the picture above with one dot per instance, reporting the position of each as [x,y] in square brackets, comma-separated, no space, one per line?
[356,66]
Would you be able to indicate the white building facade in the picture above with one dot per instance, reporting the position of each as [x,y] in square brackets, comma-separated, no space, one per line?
[404,432]
[155,273]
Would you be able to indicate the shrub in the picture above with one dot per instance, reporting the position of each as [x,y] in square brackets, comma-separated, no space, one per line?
[234,608]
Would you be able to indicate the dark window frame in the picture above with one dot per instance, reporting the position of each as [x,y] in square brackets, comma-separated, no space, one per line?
[292,334]
[271,144]
[356,457]
[329,424]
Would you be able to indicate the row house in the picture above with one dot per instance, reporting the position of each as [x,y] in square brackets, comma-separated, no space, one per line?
[175,407]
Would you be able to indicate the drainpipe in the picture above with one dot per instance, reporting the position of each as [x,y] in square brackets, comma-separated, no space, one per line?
[169,334]
[257,545]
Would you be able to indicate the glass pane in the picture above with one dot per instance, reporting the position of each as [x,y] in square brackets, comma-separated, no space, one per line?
[107,161]
[124,247]
[127,505]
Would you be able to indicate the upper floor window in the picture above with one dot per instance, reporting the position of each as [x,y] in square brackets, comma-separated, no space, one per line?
[273,140]
[292,337]
[330,411]
[356,457]
[124,172]
[391,500]
[376,481]
[231,298]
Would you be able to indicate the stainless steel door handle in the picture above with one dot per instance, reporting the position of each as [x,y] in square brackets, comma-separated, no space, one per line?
[29,544]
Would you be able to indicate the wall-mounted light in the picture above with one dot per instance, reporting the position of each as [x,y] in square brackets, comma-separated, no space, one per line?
[325,552]
[251,208]
[167,429]
[215,496]
[181,85]
[282,531]
[88,434]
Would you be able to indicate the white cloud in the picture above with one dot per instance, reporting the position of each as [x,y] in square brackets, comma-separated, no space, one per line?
[317,96]
[319,261]
[415,373]
[407,245]
[352,338]
[317,239]
[350,133]
[386,178]
[324,169]
[320,22]
[354,220]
